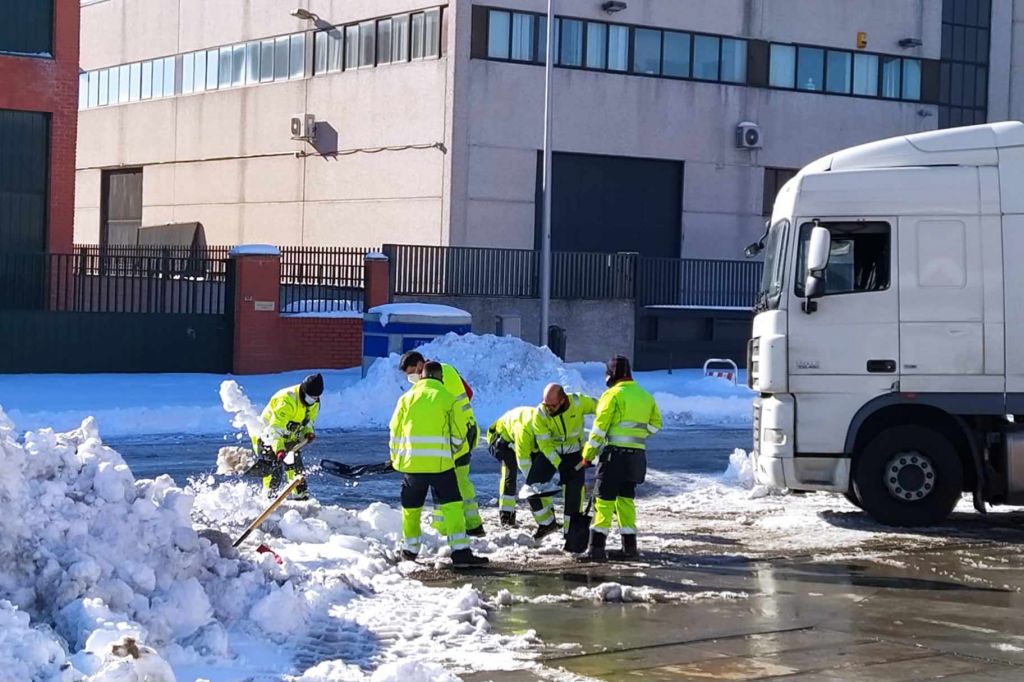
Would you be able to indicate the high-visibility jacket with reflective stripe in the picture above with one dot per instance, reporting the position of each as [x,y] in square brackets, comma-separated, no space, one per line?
[287,418]
[453,382]
[427,429]
[626,416]
[563,433]
[517,427]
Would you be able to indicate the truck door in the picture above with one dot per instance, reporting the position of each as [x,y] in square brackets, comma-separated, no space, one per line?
[845,348]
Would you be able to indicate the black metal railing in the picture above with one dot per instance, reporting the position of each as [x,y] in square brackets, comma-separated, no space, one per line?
[84,282]
[472,271]
[322,279]
[206,262]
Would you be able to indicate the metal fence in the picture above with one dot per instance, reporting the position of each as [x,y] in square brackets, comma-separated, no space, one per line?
[472,271]
[208,262]
[91,282]
[322,279]
[697,283]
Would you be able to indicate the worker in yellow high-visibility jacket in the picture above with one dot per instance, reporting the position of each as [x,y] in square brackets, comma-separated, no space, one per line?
[412,364]
[626,416]
[288,420]
[428,431]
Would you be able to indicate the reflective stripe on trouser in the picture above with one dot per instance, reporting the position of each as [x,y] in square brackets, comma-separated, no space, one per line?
[624,508]
[470,508]
[543,509]
[453,526]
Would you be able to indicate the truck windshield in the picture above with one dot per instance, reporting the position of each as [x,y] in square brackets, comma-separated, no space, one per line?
[772,277]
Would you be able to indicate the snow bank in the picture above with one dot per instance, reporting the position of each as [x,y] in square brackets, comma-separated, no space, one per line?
[106,577]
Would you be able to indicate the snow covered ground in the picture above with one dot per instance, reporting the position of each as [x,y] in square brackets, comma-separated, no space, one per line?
[504,372]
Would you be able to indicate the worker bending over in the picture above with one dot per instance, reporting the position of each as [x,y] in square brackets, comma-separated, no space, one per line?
[287,422]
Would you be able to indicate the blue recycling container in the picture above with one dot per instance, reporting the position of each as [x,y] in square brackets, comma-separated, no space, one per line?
[400,327]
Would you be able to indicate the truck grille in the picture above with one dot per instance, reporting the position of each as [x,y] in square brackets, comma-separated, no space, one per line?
[753,361]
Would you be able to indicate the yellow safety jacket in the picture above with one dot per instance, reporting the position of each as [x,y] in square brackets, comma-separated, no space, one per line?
[563,433]
[517,427]
[453,382]
[626,417]
[427,429]
[286,419]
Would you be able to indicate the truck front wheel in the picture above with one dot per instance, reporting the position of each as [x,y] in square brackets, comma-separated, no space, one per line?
[908,476]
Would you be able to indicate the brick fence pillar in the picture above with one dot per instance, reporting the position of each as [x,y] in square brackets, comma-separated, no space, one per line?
[257,286]
[377,290]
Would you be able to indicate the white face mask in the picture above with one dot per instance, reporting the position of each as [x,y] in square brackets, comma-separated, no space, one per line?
[412,378]
[309,400]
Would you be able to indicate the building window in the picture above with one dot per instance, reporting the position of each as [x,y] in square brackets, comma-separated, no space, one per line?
[963,66]
[432,31]
[124,84]
[367,31]
[597,45]
[146,86]
[212,69]
[187,73]
[24,174]
[267,61]
[676,61]
[26,27]
[891,77]
[225,67]
[384,41]
[618,48]
[238,65]
[782,66]
[400,38]
[647,51]
[734,60]
[837,72]
[572,43]
[706,57]
[252,63]
[810,69]
[499,34]
[774,179]
[911,79]
[418,38]
[522,37]
[865,75]
[352,47]
[134,82]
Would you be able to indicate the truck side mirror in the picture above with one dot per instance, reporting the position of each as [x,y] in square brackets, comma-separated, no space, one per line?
[818,250]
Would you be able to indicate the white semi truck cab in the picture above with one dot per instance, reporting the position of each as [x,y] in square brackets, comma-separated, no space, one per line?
[888,339]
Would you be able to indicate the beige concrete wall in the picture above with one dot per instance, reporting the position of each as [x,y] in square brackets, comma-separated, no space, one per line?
[623,115]
[226,159]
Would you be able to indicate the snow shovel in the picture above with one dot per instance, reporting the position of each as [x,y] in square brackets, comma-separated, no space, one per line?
[269,510]
[342,470]
[577,535]
[544,489]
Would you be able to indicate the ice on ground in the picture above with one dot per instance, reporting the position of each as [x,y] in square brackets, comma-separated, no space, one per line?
[505,372]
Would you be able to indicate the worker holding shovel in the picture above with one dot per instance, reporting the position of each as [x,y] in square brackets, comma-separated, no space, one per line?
[288,421]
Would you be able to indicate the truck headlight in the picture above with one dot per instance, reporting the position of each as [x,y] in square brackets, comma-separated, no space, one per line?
[774,437]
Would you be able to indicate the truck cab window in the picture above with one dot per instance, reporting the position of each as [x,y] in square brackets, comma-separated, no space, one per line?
[859,260]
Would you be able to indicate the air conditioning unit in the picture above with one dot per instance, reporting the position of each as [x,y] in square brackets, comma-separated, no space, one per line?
[304,127]
[748,135]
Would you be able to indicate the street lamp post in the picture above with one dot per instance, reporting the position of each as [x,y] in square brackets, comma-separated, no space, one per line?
[545,235]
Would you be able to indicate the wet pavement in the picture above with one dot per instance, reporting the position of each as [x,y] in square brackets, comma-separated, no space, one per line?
[951,613]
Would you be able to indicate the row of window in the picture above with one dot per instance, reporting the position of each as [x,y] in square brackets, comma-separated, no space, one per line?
[373,43]
[841,72]
[370,43]
[521,37]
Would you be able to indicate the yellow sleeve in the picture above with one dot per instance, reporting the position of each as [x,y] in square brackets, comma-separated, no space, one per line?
[654,425]
[605,417]
[588,405]
[459,421]
[525,445]
[544,441]
[394,426]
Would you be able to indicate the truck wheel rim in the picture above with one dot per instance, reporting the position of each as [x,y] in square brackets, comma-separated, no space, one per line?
[910,476]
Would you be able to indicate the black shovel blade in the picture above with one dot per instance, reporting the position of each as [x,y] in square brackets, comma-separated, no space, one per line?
[335,468]
[577,538]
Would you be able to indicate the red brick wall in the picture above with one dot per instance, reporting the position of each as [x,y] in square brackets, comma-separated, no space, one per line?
[266,341]
[320,343]
[51,85]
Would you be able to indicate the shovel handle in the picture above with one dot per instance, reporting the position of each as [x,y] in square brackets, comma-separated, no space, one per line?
[269,510]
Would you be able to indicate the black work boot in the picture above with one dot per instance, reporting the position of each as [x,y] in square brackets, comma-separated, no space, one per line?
[596,553]
[409,556]
[546,530]
[628,551]
[477,532]
[464,558]
[507,519]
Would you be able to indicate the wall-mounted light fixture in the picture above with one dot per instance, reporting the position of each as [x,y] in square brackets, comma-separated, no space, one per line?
[907,43]
[613,6]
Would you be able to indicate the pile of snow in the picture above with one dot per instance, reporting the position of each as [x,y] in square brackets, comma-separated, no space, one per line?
[503,371]
[106,577]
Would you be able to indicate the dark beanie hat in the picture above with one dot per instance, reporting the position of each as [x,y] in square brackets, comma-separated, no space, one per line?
[313,385]
[618,367]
